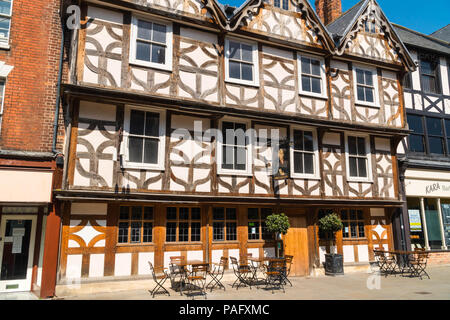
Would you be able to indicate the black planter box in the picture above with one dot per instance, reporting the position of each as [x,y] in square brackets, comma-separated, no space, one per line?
[334,264]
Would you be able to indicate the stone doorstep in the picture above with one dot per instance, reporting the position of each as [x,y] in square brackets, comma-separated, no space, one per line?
[349,268]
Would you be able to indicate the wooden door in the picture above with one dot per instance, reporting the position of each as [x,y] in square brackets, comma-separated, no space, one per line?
[296,244]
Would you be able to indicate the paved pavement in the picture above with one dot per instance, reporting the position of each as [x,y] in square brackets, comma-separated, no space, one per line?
[354,286]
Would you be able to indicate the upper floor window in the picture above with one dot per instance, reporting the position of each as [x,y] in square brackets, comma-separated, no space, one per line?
[281,4]
[417,136]
[234,151]
[369,26]
[366,86]
[407,81]
[435,136]
[304,154]
[429,75]
[151,44]
[430,135]
[5,20]
[135,225]
[183,224]
[144,133]
[2,97]
[241,62]
[358,159]
[312,76]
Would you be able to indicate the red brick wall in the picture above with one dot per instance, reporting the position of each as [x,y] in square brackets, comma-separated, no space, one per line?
[328,10]
[30,91]
[439,258]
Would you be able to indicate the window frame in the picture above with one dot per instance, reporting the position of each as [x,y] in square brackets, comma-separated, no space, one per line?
[437,74]
[315,152]
[2,96]
[4,43]
[130,220]
[347,222]
[255,61]
[374,72]
[169,43]
[281,3]
[219,145]
[423,135]
[189,221]
[323,79]
[369,177]
[442,137]
[225,220]
[161,145]
[260,220]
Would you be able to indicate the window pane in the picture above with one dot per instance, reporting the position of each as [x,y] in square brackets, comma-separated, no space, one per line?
[352,145]
[344,215]
[276,3]
[195,231]
[137,122]
[241,158]
[171,213]
[184,213]
[360,93]
[151,151]
[158,54]
[265,212]
[415,123]
[253,230]
[218,213]
[353,215]
[218,232]
[124,213]
[195,214]
[298,140]
[361,233]
[353,230]
[147,234]
[285,4]
[436,145]
[247,72]
[298,162]
[227,157]
[136,213]
[231,214]
[135,149]
[144,30]
[309,163]
[143,51]
[315,67]
[368,78]
[360,215]
[252,213]
[235,70]
[369,94]
[362,167]
[123,232]
[135,233]
[434,126]
[235,50]
[247,52]
[159,33]
[426,67]
[4,28]
[183,231]
[171,232]
[231,231]
[306,65]
[416,143]
[360,76]
[361,146]
[353,168]
[306,83]
[315,85]
[152,124]
[148,213]
[308,141]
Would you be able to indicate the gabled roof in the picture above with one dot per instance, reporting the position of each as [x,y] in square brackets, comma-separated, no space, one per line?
[420,40]
[442,34]
[339,27]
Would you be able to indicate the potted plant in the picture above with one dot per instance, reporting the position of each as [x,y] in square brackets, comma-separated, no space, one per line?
[278,224]
[328,226]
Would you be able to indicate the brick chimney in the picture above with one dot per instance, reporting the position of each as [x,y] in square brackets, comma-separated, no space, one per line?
[328,10]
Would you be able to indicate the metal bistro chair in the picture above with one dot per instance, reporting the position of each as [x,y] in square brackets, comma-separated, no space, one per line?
[287,268]
[217,274]
[419,264]
[386,264]
[159,278]
[177,272]
[274,274]
[242,273]
[196,279]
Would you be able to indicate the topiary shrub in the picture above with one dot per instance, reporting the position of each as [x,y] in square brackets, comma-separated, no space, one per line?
[277,223]
[330,224]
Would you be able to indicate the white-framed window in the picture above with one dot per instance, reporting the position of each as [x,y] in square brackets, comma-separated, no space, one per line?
[234,149]
[369,26]
[241,62]
[144,138]
[312,76]
[2,97]
[358,157]
[284,4]
[366,85]
[5,21]
[304,156]
[151,43]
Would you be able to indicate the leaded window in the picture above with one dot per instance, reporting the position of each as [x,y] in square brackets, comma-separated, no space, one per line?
[353,224]
[224,224]
[429,75]
[417,136]
[183,224]
[257,229]
[135,224]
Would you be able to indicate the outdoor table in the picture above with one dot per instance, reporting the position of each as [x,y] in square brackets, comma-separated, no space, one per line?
[260,261]
[402,259]
[183,264]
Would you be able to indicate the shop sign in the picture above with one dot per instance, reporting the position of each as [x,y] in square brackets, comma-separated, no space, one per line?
[415,224]
[434,187]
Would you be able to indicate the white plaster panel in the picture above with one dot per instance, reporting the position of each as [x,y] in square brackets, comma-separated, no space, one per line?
[363,253]
[254,252]
[233,253]
[97,111]
[168,254]
[105,15]
[349,254]
[195,255]
[73,267]
[195,34]
[96,265]
[216,255]
[143,259]
[332,139]
[122,266]
[279,53]
[377,212]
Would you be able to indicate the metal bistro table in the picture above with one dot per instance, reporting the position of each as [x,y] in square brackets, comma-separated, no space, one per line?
[402,259]
[184,264]
[258,264]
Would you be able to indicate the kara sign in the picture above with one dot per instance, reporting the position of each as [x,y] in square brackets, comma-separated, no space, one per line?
[421,188]
[431,188]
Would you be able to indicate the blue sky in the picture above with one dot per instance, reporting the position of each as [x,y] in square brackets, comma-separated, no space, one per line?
[425,16]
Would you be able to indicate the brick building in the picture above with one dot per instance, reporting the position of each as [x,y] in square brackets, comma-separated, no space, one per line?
[30,41]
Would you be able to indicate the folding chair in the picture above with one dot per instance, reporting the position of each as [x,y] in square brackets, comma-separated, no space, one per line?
[242,273]
[177,272]
[287,269]
[196,279]
[419,264]
[274,274]
[217,274]
[159,279]
[386,264]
